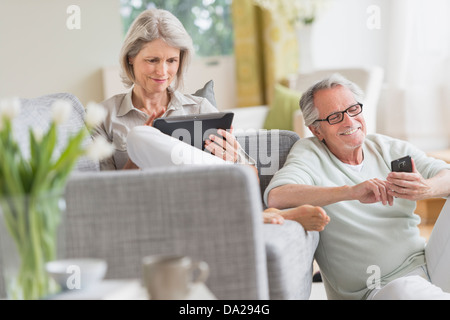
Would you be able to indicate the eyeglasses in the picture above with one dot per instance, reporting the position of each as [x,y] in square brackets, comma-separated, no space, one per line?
[337,117]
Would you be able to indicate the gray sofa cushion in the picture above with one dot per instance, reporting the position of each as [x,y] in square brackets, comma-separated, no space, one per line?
[269,148]
[289,249]
[36,113]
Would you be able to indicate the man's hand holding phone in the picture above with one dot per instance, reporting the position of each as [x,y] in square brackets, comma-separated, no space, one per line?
[402,165]
[405,181]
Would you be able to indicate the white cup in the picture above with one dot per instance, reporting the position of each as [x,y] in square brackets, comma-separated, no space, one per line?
[171,277]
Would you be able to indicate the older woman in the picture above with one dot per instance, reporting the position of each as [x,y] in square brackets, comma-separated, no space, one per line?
[154,57]
[371,248]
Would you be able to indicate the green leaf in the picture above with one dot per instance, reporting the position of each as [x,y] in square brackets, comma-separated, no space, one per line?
[42,158]
[72,152]
[11,182]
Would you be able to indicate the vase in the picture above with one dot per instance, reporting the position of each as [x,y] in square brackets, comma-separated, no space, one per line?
[30,236]
[304,42]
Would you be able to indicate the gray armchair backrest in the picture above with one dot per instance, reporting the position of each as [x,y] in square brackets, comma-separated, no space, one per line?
[269,148]
[211,213]
[36,113]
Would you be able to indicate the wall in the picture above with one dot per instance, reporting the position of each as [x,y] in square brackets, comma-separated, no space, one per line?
[40,55]
[222,71]
[344,35]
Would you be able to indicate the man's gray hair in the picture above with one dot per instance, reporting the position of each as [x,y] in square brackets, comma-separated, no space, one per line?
[150,25]
[309,110]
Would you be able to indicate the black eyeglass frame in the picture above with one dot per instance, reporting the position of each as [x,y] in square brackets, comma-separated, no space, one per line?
[342,112]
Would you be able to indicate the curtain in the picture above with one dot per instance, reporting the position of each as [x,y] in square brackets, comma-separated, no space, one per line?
[265,50]
[418,73]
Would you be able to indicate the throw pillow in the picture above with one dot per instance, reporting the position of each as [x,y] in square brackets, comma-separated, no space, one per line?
[207,92]
[285,103]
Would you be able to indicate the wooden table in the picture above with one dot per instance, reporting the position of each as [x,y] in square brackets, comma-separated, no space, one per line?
[440,154]
[429,209]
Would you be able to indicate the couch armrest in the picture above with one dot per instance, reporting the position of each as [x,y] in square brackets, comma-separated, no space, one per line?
[211,213]
[290,254]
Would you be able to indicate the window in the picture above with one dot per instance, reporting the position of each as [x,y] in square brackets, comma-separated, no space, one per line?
[207,21]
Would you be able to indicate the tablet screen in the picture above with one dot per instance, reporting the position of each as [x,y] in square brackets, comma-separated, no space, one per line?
[194,129]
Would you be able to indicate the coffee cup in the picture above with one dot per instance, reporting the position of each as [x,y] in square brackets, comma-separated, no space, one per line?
[171,277]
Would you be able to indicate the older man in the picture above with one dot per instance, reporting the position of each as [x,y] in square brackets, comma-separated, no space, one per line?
[371,247]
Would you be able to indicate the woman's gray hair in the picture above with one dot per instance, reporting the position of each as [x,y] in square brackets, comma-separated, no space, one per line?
[151,25]
[309,110]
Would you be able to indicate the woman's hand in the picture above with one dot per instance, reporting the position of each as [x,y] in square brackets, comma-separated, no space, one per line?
[408,185]
[153,116]
[224,146]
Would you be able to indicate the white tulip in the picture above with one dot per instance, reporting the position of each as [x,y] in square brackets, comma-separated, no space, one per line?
[61,110]
[9,108]
[95,114]
[99,149]
[38,134]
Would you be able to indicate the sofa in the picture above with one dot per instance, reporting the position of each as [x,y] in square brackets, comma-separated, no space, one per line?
[212,213]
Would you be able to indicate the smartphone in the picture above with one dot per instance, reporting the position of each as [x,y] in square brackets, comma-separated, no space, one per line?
[402,165]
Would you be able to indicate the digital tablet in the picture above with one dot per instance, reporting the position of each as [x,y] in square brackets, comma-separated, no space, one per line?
[194,129]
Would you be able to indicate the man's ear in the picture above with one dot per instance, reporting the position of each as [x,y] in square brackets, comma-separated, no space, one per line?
[315,131]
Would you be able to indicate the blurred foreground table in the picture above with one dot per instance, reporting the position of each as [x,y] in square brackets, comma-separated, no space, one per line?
[125,290]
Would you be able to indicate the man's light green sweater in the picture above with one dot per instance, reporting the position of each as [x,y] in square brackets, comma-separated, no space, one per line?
[360,238]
